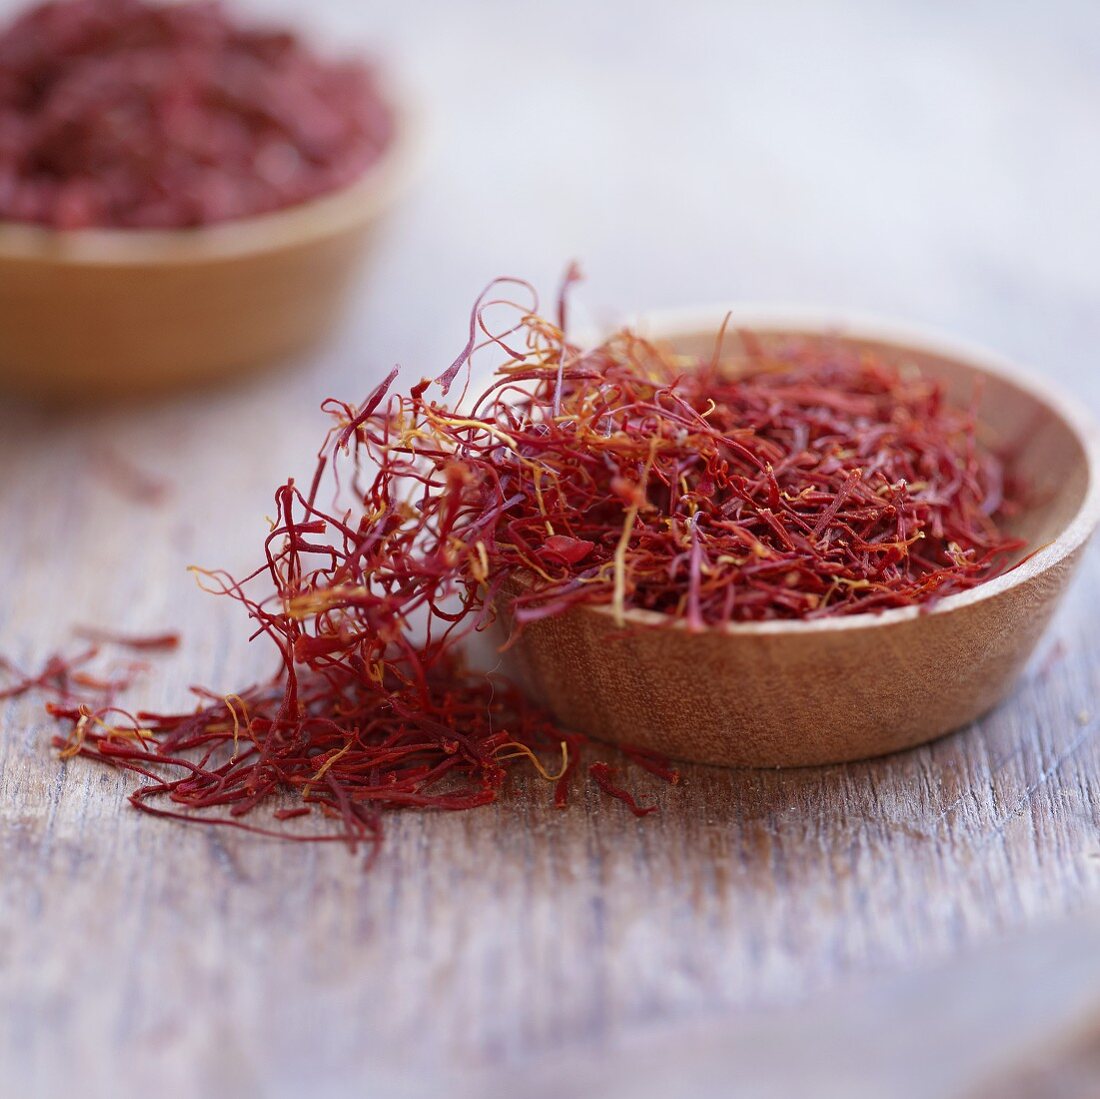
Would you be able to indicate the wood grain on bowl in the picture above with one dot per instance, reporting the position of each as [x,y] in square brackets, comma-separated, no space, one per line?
[834,690]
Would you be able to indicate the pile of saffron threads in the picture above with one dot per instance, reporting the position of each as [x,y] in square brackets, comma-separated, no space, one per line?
[796,481]
[132,114]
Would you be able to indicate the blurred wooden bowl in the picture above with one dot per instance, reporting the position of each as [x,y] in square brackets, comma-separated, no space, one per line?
[97,313]
[797,693]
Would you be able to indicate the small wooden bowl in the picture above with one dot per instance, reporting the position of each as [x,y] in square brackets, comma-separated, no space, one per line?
[796,693]
[119,312]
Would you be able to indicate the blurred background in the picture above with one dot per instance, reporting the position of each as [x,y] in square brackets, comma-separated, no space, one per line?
[937,164]
[930,162]
[933,162]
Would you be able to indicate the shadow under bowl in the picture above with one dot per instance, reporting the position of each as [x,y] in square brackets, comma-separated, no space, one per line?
[795,693]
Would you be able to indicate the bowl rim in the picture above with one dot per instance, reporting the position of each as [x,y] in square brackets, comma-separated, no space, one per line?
[669,324]
[325,215]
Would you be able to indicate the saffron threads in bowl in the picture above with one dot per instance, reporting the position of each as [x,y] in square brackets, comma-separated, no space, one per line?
[796,481]
[127,114]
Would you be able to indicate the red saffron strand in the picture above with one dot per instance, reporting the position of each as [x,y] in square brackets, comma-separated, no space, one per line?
[655,764]
[68,679]
[128,479]
[602,774]
[142,643]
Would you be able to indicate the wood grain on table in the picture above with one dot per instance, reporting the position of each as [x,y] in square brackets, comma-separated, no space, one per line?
[934,164]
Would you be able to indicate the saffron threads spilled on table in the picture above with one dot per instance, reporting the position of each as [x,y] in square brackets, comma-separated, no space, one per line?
[792,479]
[72,680]
[139,642]
[126,479]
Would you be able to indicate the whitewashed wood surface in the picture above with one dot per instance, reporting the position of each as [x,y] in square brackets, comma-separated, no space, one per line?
[935,163]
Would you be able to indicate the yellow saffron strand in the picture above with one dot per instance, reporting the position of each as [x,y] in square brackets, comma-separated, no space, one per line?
[521,751]
[75,739]
[229,700]
[537,481]
[618,601]
[478,425]
[324,767]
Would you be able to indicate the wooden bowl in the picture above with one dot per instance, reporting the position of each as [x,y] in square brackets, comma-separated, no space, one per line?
[795,693]
[114,312]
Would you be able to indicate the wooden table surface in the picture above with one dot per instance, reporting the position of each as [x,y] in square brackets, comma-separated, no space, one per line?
[911,926]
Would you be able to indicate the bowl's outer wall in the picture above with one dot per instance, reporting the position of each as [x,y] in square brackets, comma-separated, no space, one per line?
[861,687]
[68,331]
[784,699]
[117,313]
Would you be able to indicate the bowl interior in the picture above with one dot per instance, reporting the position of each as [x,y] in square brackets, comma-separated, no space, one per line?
[1041,447]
